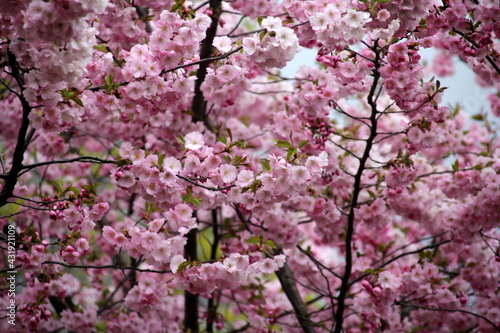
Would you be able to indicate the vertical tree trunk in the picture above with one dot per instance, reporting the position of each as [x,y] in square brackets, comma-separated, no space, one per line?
[191,300]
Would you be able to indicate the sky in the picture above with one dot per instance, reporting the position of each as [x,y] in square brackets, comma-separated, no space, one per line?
[462,87]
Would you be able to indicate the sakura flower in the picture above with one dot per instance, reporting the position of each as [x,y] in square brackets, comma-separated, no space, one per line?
[300,174]
[316,163]
[99,210]
[194,140]
[227,72]
[176,261]
[108,233]
[127,180]
[162,253]
[172,163]
[348,69]
[135,90]
[82,246]
[150,240]
[191,164]
[137,156]
[356,19]
[183,212]
[228,173]
[280,260]
[267,266]
[201,22]
[415,135]
[125,150]
[429,139]
[271,23]
[250,44]
[222,44]
[70,255]
[245,178]
[386,279]
[319,21]
[147,286]
[167,177]
[383,15]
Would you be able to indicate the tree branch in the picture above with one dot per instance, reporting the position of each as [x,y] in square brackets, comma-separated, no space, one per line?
[17,160]
[449,310]
[285,276]
[199,104]
[341,305]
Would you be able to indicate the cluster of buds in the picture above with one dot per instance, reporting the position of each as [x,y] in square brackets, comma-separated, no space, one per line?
[58,210]
[37,314]
[320,134]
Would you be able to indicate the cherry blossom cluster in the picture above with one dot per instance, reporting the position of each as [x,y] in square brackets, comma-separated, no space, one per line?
[159,173]
[274,47]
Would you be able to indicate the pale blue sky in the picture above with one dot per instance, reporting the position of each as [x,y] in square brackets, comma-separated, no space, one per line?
[462,87]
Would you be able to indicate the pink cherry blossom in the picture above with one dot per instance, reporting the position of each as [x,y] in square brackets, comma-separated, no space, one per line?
[163,170]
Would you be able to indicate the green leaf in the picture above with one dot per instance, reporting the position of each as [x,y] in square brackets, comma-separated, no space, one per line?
[302,143]
[373,195]
[478,167]
[76,100]
[222,139]
[124,162]
[490,163]
[74,190]
[291,152]
[108,79]
[101,47]
[257,240]
[58,185]
[265,165]
[161,158]
[283,143]
[237,159]
[478,117]
[228,130]
[228,159]
[262,35]
[180,139]
[101,326]
[183,266]
[455,165]
[270,243]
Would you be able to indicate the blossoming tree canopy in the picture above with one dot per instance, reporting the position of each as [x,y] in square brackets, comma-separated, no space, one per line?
[159,174]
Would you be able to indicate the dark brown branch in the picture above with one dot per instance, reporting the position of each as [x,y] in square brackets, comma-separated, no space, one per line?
[344,289]
[205,187]
[449,310]
[285,276]
[191,300]
[202,61]
[17,160]
[199,104]
[143,13]
[212,306]
[287,281]
[81,159]
[488,58]
[398,257]
[133,268]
